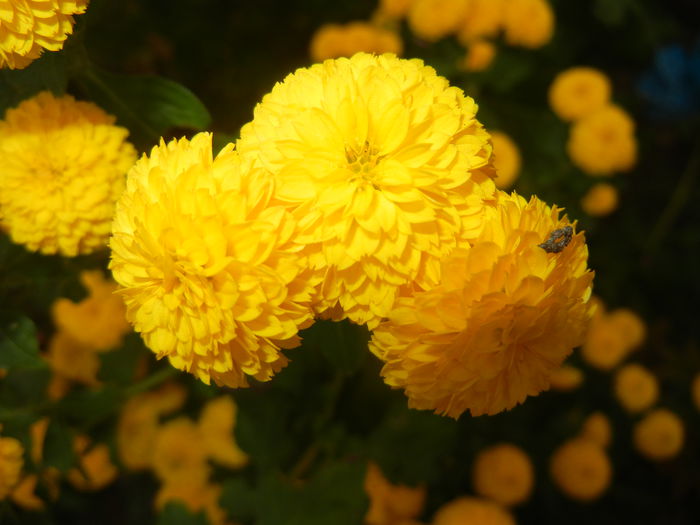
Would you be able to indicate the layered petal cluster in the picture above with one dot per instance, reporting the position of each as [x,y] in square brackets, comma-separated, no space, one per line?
[64,166]
[506,314]
[28,27]
[385,168]
[211,273]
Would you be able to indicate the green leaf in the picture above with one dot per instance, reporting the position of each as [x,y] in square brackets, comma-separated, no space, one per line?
[118,366]
[18,344]
[58,446]
[238,499]
[149,106]
[88,407]
[45,73]
[175,513]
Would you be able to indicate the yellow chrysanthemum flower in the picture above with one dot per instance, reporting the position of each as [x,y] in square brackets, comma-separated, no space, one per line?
[660,435]
[27,27]
[472,510]
[581,469]
[64,166]
[579,91]
[603,142]
[432,20]
[195,496]
[600,200]
[391,504]
[11,463]
[480,54]
[216,425]
[636,388]
[210,271]
[611,337]
[506,158]
[385,167]
[484,18]
[73,360]
[504,474]
[99,320]
[597,428]
[96,469]
[502,321]
[179,453]
[528,23]
[333,41]
[566,378]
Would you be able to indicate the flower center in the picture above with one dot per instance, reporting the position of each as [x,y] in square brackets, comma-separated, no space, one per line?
[361,162]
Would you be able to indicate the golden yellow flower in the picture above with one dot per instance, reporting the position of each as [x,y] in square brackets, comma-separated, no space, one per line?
[506,158]
[502,321]
[695,391]
[96,469]
[597,428]
[395,8]
[660,435]
[612,337]
[216,425]
[99,320]
[581,469]
[73,360]
[179,453]
[432,20]
[566,378]
[195,496]
[24,496]
[636,388]
[602,142]
[504,474]
[630,326]
[385,167]
[579,91]
[528,23]
[333,41]
[11,463]
[484,18]
[600,200]
[37,433]
[27,27]
[479,56]
[210,272]
[391,504]
[472,510]
[64,165]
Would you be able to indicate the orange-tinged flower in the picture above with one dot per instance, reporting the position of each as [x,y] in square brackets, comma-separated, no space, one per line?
[660,435]
[611,337]
[391,504]
[211,272]
[24,496]
[64,165]
[505,316]
[597,428]
[96,469]
[11,462]
[480,54]
[195,496]
[484,18]
[73,360]
[467,510]
[179,453]
[395,8]
[28,27]
[581,469]
[504,474]
[579,91]
[432,20]
[506,158]
[216,425]
[386,169]
[528,23]
[566,378]
[600,200]
[636,388]
[333,41]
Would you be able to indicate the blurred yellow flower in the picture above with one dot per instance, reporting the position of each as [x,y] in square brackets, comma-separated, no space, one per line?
[195,496]
[484,18]
[566,378]
[597,428]
[385,167]
[660,435]
[479,56]
[216,425]
[432,20]
[211,273]
[99,320]
[468,510]
[636,388]
[611,337]
[11,463]
[502,321]
[504,474]
[581,469]
[64,165]
[73,360]
[695,391]
[391,504]
[603,142]
[179,453]
[600,200]
[629,325]
[96,469]
[24,496]
[28,27]
[395,8]
[506,159]
[333,41]
[579,91]
[528,23]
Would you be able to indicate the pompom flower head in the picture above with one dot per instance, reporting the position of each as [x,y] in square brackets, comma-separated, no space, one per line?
[28,27]
[209,270]
[384,166]
[579,91]
[506,314]
[581,469]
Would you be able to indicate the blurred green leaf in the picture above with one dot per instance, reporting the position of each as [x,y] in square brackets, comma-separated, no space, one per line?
[238,499]
[18,343]
[58,446]
[87,407]
[118,366]
[343,343]
[611,12]
[175,513]
[45,73]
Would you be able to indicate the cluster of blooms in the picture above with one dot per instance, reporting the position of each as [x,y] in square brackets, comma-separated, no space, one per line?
[28,27]
[362,189]
[335,40]
[64,165]
[601,141]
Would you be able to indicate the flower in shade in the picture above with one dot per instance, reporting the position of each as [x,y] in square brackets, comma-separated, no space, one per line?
[472,510]
[179,453]
[603,142]
[210,272]
[64,166]
[566,378]
[28,27]
[480,54]
[636,388]
[432,20]
[24,496]
[195,496]
[391,504]
[506,159]
[72,360]
[504,317]
[611,337]
[528,23]
[660,435]
[579,91]
[600,200]
[597,428]
[11,462]
[504,474]
[484,18]
[581,469]
[96,469]
[384,166]
[216,425]
[333,41]
[395,8]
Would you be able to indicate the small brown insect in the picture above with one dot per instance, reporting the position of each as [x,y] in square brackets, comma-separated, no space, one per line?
[558,240]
